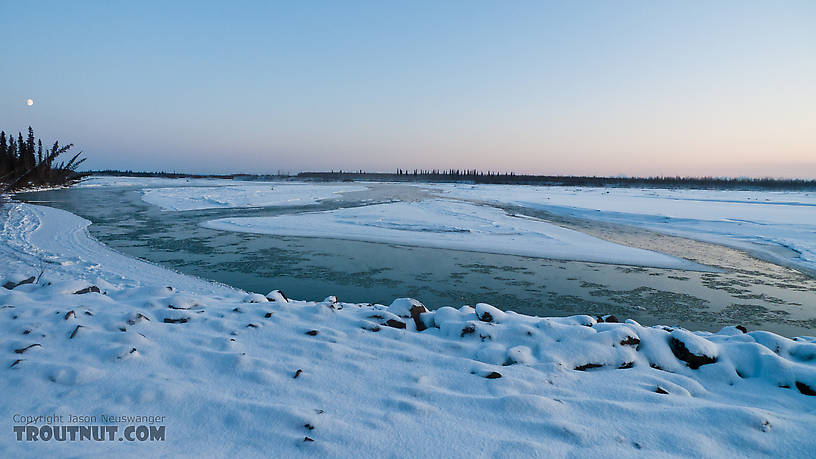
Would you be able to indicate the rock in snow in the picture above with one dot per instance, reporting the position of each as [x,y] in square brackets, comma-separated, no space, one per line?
[11,284]
[488,313]
[402,306]
[277,295]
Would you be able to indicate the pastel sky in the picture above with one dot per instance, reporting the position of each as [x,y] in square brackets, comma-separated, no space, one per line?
[573,87]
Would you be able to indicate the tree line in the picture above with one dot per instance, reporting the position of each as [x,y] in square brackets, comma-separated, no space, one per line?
[511,178]
[507,178]
[24,163]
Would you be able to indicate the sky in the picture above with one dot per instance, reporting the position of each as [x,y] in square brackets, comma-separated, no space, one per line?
[723,88]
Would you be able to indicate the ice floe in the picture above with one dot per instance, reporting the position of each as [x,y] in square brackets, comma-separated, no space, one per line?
[452,225]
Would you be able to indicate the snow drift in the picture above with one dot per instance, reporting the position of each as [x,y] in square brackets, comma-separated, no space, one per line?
[241,373]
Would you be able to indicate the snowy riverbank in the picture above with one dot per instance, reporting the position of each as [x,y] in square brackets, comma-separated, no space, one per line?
[773,225]
[237,374]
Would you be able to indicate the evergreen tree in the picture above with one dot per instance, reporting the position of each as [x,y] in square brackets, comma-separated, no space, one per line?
[24,163]
[30,159]
[12,153]
[5,163]
[21,152]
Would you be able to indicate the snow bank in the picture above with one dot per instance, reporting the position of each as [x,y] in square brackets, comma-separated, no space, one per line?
[149,182]
[761,222]
[452,225]
[244,195]
[239,376]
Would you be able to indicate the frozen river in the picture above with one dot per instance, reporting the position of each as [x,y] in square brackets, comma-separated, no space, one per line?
[376,242]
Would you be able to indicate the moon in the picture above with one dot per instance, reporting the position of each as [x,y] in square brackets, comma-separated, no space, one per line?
[29,102]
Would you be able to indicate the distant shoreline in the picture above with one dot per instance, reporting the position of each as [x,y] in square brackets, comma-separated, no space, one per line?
[476,177]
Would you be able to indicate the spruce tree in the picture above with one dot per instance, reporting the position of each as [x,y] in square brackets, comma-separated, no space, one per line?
[30,159]
[5,163]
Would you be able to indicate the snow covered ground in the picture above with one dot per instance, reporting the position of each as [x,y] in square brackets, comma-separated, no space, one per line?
[777,226]
[150,182]
[236,374]
[244,195]
[453,225]
[195,194]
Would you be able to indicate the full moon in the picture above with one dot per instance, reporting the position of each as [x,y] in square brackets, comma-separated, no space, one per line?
[29,102]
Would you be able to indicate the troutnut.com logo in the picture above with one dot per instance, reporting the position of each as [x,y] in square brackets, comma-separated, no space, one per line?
[70,427]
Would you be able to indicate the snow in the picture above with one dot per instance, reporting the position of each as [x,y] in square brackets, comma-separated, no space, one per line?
[402,306]
[279,194]
[99,181]
[777,226]
[178,194]
[452,225]
[243,377]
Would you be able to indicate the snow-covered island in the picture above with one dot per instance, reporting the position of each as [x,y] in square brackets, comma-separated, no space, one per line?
[88,331]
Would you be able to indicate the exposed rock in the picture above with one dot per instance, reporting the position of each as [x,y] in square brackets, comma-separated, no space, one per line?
[395,323]
[312,332]
[468,330]
[403,306]
[661,390]
[91,289]
[297,373]
[277,295]
[609,318]
[76,330]
[805,389]
[489,313]
[69,315]
[588,366]
[694,361]
[742,329]
[493,375]
[21,350]
[626,365]
[180,320]
[11,285]
[139,317]
[630,341]
[416,314]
